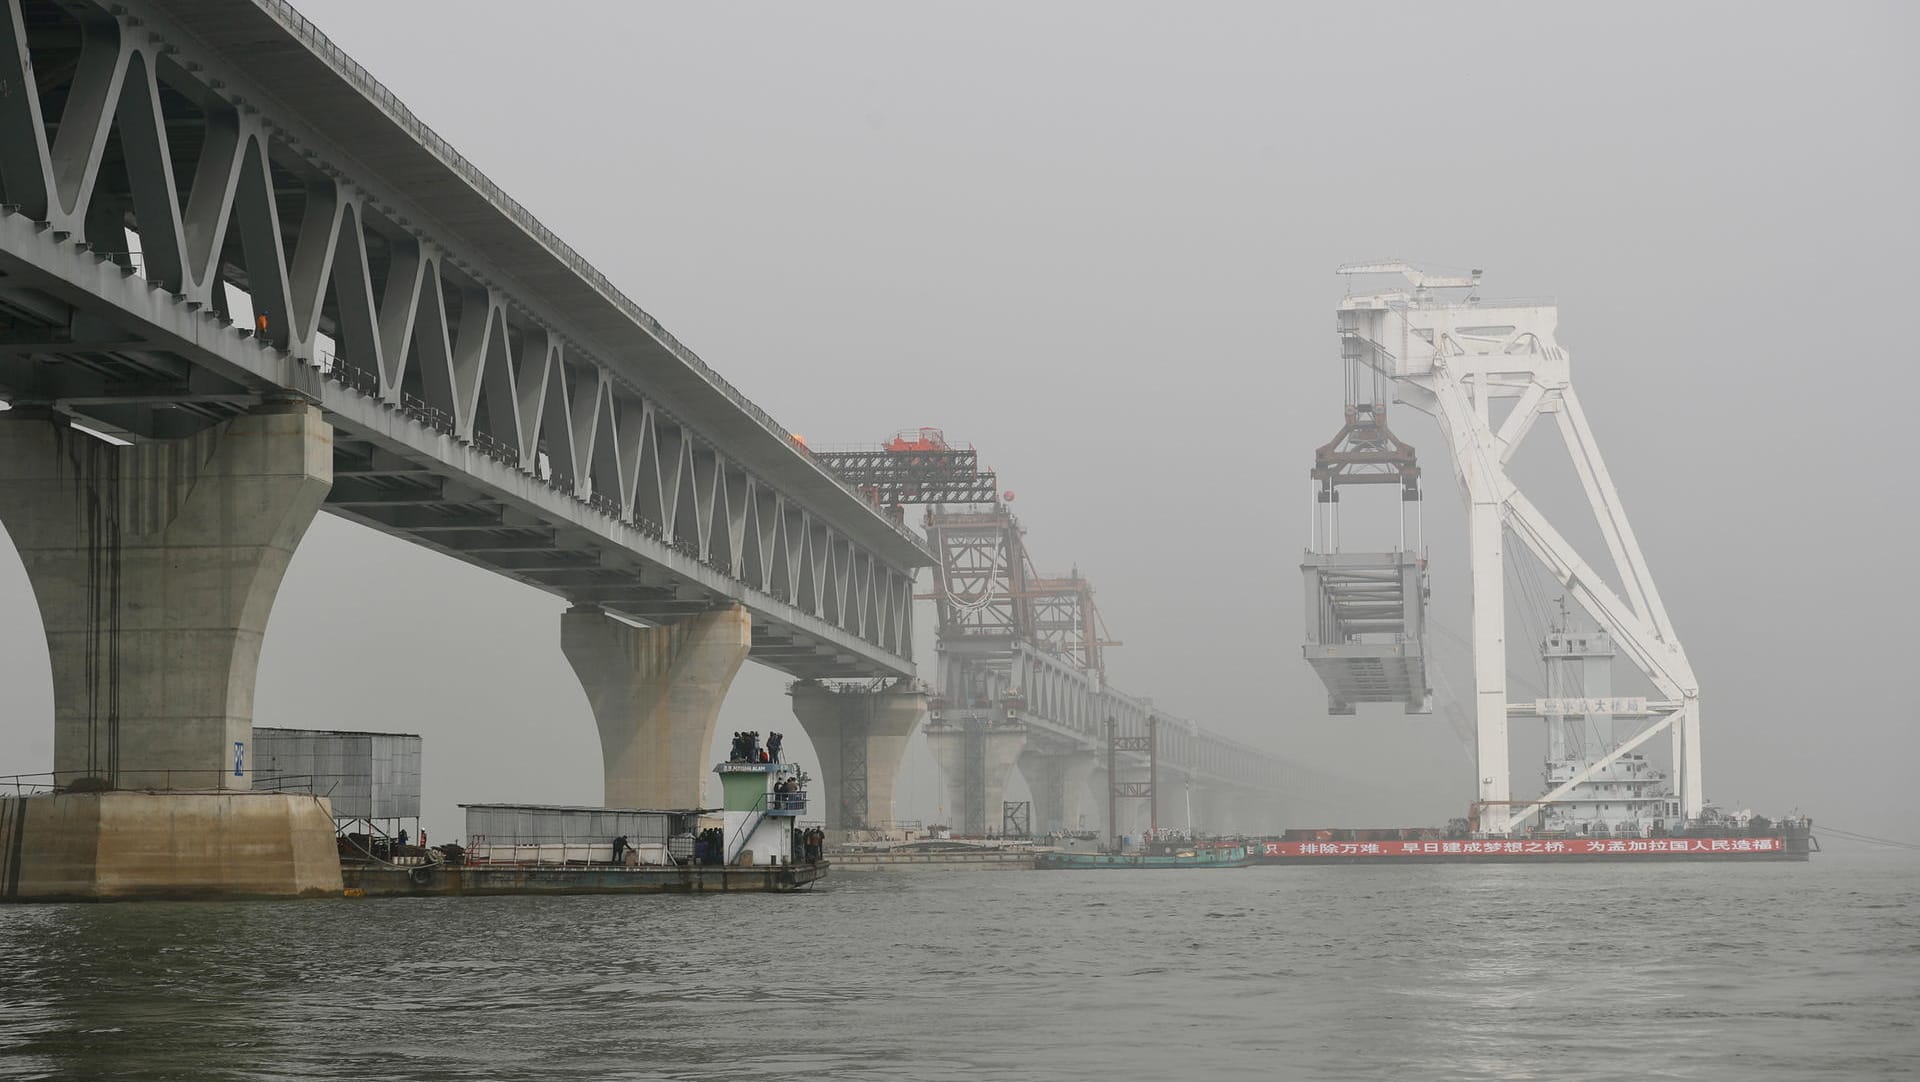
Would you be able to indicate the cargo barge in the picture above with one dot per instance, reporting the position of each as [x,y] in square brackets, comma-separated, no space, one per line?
[934,854]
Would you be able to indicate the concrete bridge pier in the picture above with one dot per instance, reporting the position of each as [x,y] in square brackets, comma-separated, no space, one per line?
[1180,800]
[974,758]
[1212,810]
[1062,789]
[1058,781]
[1249,811]
[1097,797]
[1137,812]
[155,567]
[1265,812]
[656,695]
[860,737]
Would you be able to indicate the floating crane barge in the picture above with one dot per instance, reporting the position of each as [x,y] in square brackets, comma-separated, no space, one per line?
[1488,372]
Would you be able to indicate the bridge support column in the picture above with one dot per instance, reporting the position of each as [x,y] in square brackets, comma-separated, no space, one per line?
[974,759]
[656,695]
[1178,810]
[155,567]
[1058,781]
[1097,798]
[1135,813]
[860,737]
[1210,811]
[1259,812]
[1242,812]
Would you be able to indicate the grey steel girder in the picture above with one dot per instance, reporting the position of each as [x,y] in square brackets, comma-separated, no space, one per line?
[1366,628]
[491,392]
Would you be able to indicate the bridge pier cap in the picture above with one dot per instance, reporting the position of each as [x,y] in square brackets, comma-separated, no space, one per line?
[656,694]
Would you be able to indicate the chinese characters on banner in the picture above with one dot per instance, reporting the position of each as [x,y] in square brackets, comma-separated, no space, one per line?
[1489,846]
[1626,705]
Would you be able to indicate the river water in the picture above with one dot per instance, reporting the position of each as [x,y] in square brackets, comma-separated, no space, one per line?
[1746,972]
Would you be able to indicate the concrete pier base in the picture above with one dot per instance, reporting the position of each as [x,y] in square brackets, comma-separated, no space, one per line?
[155,567]
[656,695]
[860,737]
[124,846]
[974,759]
[1058,782]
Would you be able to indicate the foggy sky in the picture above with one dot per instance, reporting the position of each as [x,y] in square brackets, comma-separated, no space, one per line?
[1096,241]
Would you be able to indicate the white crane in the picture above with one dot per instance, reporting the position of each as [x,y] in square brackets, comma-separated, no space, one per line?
[1453,358]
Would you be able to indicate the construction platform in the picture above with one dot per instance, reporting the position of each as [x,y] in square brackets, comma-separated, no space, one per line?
[441,880]
[934,855]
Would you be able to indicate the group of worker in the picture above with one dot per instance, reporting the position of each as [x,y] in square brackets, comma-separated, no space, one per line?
[787,793]
[746,748]
[813,844]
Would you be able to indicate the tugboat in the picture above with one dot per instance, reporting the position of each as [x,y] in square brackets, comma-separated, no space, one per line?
[761,803]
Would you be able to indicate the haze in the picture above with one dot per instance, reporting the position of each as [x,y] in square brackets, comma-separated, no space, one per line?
[1096,241]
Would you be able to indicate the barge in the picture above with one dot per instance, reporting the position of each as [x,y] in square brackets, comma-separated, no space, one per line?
[1726,841]
[373,880]
[754,844]
[933,854]
[1159,856]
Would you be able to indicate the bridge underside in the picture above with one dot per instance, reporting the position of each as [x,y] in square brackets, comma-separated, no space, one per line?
[172,168]
[83,336]
[269,289]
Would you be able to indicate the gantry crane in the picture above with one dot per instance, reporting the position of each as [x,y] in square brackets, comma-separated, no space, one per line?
[1462,360]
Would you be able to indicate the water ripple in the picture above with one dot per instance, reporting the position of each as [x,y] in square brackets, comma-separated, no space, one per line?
[1502,972]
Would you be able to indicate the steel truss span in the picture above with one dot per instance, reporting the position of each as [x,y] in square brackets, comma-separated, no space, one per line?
[1488,371]
[166,165]
[1019,649]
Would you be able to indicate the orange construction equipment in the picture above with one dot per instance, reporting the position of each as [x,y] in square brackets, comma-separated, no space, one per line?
[923,439]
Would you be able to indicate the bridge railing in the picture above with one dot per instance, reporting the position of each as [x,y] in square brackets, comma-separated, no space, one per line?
[148,781]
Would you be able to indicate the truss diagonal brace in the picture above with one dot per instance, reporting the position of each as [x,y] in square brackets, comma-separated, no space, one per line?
[1639,738]
[1662,661]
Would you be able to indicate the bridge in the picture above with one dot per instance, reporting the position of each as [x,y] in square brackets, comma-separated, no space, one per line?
[240,284]
[228,249]
[1021,682]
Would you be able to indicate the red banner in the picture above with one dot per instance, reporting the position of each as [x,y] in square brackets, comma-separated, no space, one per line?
[1521,847]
